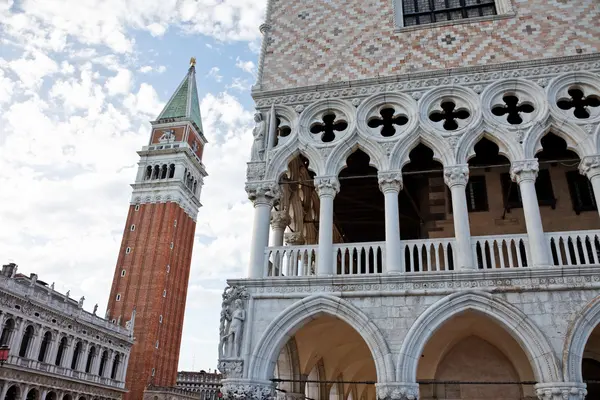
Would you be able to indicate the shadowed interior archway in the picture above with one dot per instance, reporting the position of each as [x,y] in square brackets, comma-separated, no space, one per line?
[471,347]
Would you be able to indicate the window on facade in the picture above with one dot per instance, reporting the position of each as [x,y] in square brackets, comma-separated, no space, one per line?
[477,194]
[26,341]
[103,361]
[172,245]
[9,327]
[90,360]
[62,347]
[510,192]
[119,297]
[153,371]
[123,272]
[419,12]
[582,193]
[132,228]
[165,293]
[543,188]
[115,367]
[76,355]
[44,346]
[168,269]
[128,250]
[137,207]
[160,319]
[156,344]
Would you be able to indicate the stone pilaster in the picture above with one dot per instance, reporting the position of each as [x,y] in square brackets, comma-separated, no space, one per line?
[242,389]
[397,391]
[561,391]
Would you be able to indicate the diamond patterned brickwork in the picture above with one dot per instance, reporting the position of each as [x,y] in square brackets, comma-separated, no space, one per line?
[306,46]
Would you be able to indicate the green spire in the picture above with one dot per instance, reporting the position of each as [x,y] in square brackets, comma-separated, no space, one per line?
[184,104]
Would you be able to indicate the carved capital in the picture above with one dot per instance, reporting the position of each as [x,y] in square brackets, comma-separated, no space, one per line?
[241,389]
[590,166]
[390,181]
[524,170]
[263,192]
[294,238]
[256,171]
[280,219]
[397,391]
[560,391]
[456,175]
[231,368]
[327,186]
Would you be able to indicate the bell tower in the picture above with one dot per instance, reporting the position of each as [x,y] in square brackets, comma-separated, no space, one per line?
[153,267]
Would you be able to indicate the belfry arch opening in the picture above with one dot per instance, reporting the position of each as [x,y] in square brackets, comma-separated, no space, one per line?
[314,363]
[472,357]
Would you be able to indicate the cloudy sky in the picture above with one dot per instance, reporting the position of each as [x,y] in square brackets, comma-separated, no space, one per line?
[79,81]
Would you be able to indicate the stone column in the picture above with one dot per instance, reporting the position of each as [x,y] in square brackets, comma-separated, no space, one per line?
[34,346]
[390,184]
[68,354]
[96,361]
[54,343]
[235,389]
[397,391]
[525,173]
[25,392]
[5,388]
[561,391]
[264,195]
[279,221]
[17,336]
[327,188]
[123,373]
[457,177]
[109,364]
[590,167]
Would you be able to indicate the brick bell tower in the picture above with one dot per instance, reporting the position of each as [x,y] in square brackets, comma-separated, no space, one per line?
[150,284]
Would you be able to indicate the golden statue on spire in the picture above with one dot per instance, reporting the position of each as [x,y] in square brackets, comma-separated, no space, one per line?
[193,62]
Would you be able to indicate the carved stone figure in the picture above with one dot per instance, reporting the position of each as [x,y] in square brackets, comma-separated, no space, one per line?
[231,327]
[259,133]
[81,300]
[52,286]
[167,137]
[95,309]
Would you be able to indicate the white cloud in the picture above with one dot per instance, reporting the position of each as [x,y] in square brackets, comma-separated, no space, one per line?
[145,101]
[214,73]
[6,88]
[156,29]
[247,66]
[146,69]
[120,83]
[32,68]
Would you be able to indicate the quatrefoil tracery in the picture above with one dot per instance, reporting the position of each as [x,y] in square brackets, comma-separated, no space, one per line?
[328,127]
[512,108]
[449,114]
[579,102]
[387,121]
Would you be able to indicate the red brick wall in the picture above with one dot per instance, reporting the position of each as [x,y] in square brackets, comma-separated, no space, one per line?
[142,287]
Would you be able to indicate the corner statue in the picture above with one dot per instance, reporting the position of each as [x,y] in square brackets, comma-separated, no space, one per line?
[233,316]
[259,132]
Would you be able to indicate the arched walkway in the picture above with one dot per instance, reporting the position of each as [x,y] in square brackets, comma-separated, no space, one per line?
[581,331]
[13,393]
[300,314]
[530,338]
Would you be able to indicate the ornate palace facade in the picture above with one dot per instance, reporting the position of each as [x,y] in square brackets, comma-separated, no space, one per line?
[58,351]
[425,178]
[206,385]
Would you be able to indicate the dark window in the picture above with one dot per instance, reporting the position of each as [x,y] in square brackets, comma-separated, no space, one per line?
[418,12]
[510,192]
[543,188]
[582,193]
[477,194]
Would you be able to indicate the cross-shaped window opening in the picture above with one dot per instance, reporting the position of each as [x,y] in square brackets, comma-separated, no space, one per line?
[418,12]
[512,108]
[580,102]
[328,127]
[387,121]
[449,114]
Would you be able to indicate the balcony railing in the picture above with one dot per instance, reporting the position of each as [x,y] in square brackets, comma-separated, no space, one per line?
[65,372]
[433,255]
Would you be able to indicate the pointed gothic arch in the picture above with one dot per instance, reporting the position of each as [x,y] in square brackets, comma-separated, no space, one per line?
[579,332]
[294,317]
[442,152]
[532,340]
[577,139]
[336,161]
[506,146]
[279,163]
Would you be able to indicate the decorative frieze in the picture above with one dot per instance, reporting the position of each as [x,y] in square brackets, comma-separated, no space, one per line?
[560,391]
[397,391]
[234,389]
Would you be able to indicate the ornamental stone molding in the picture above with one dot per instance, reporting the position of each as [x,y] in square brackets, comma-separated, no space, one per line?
[457,175]
[590,166]
[256,171]
[231,368]
[390,181]
[280,219]
[559,90]
[397,391]
[464,112]
[539,71]
[327,186]
[314,123]
[263,192]
[371,117]
[524,170]
[561,391]
[242,389]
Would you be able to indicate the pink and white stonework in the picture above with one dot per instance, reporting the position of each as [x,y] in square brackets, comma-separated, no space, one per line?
[426,222]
